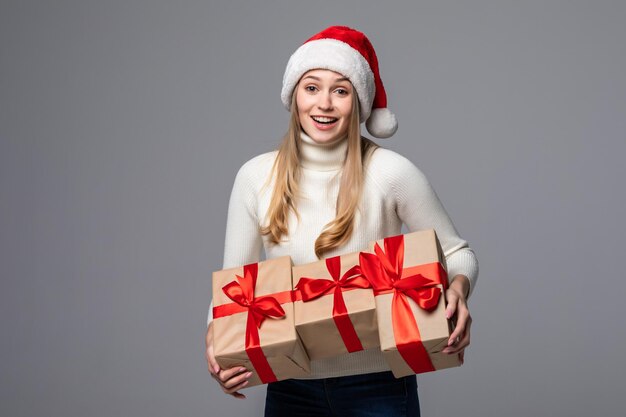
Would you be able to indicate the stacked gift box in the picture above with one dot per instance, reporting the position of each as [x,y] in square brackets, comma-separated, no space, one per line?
[335,308]
[253,322]
[272,317]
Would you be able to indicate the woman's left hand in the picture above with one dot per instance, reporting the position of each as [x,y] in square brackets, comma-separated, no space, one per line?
[456,296]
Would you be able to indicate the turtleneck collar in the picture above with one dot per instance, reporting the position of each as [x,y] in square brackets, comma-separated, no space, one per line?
[322,156]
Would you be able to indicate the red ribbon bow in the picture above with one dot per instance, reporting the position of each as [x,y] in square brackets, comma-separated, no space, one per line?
[312,288]
[259,308]
[385,271]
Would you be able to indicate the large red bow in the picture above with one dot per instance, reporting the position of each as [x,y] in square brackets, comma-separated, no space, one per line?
[242,293]
[385,270]
[312,288]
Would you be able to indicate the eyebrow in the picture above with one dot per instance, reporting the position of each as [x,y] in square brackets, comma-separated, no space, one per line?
[318,79]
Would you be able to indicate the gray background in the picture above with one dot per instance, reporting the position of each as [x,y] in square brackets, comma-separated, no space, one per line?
[123,123]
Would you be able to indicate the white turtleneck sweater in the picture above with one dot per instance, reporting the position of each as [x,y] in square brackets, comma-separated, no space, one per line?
[395,192]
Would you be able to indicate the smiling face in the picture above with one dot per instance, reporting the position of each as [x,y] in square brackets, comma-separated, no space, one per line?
[324,100]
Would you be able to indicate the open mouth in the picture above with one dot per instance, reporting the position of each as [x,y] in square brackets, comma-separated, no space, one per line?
[324,120]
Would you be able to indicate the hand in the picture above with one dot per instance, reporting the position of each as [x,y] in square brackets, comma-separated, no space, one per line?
[456,296]
[231,380]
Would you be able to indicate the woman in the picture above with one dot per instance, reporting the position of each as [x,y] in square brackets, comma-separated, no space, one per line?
[328,191]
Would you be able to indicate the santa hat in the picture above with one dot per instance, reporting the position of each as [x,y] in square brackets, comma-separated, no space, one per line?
[348,52]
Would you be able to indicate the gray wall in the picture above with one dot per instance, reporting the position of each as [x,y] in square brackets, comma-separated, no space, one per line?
[123,123]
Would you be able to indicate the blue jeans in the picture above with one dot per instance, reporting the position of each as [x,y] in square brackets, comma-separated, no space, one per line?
[369,395]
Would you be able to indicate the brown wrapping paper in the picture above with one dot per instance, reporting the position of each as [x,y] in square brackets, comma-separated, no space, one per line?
[279,341]
[419,248]
[314,318]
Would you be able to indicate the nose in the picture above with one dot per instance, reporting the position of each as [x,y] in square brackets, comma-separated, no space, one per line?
[325,102]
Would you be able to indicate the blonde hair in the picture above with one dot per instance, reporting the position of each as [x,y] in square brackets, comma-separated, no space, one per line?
[286,173]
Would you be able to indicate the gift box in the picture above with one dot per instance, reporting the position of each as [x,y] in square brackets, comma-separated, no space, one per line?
[409,279]
[253,322]
[335,311]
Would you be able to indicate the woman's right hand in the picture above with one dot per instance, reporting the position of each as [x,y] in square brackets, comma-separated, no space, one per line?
[232,379]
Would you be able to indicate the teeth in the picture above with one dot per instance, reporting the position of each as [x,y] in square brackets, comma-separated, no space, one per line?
[324,119]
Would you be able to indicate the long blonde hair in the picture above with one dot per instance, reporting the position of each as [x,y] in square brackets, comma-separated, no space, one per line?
[286,173]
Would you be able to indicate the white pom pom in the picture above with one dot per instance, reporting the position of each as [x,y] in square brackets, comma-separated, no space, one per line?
[382,123]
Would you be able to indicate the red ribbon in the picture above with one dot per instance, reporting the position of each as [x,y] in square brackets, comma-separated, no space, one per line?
[258,308]
[312,288]
[385,271]
[234,308]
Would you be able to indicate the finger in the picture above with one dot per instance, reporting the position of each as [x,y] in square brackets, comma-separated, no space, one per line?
[460,333]
[462,356]
[453,300]
[457,349]
[238,395]
[236,380]
[235,391]
[461,323]
[461,344]
[226,374]
[212,364]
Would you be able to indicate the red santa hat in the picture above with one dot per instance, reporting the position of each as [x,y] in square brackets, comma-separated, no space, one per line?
[348,52]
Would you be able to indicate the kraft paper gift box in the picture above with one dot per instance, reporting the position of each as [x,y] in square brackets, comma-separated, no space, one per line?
[253,322]
[335,311]
[408,274]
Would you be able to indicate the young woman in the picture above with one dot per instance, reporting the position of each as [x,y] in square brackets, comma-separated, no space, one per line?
[329,191]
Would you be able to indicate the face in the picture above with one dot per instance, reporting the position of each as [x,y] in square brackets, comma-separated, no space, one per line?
[324,100]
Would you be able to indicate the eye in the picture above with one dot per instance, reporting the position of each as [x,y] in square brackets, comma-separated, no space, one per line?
[310,88]
[342,91]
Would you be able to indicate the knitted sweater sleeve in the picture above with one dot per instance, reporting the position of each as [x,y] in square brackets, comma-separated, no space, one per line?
[419,208]
[243,241]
